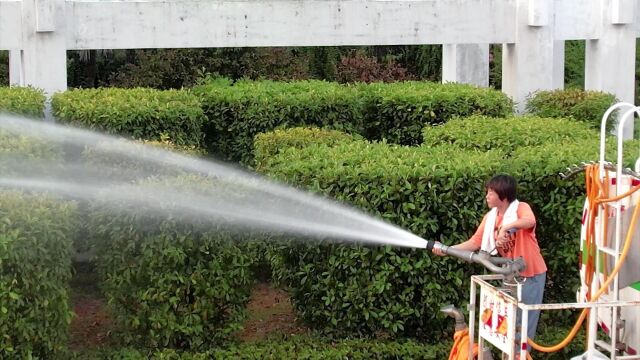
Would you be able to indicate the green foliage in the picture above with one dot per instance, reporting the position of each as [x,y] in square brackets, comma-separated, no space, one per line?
[358,67]
[574,64]
[236,114]
[173,68]
[23,101]
[35,268]
[495,66]
[269,144]
[140,113]
[344,289]
[301,347]
[397,112]
[26,147]
[170,281]
[506,134]
[436,193]
[585,106]
[551,335]
[4,68]
[106,157]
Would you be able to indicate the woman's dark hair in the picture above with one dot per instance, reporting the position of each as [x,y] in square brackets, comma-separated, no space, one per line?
[504,186]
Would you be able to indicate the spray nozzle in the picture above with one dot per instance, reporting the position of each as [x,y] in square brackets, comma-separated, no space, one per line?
[497,265]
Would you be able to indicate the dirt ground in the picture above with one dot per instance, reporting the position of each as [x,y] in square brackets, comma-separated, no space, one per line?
[91,325]
[269,313]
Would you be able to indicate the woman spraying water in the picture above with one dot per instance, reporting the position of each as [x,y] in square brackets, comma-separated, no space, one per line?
[508,230]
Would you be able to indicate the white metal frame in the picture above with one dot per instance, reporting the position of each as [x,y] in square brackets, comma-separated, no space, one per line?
[483,281]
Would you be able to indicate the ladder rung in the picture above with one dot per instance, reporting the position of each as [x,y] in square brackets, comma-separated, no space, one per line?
[607,250]
[603,345]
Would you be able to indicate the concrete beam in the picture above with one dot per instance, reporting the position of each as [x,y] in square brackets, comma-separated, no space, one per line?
[181,24]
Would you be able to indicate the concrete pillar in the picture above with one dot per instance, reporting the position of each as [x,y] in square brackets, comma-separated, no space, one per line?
[558,64]
[44,54]
[15,68]
[528,64]
[610,60]
[466,63]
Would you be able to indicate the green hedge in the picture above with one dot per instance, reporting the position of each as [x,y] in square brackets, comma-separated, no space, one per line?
[267,145]
[399,111]
[436,193]
[360,290]
[396,111]
[237,113]
[298,347]
[139,113]
[507,134]
[170,281]
[586,106]
[22,101]
[35,268]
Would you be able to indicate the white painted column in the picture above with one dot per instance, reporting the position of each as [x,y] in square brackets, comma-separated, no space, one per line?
[15,68]
[44,55]
[610,60]
[466,63]
[558,64]
[528,64]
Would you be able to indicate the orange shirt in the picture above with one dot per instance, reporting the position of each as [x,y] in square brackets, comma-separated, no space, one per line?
[524,242]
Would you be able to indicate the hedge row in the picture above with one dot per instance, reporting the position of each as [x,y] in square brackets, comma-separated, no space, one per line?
[584,106]
[298,347]
[348,290]
[170,281]
[268,145]
[139,113]
[507,134]
[399,111]
[436,193]
[22,101]
[396,112]
[311,348]
[35,268]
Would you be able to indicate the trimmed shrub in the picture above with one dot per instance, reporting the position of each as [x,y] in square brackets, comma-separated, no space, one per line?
[302,347]
[106,158]
[436,193]
[343,289]
[236,114]
[268,145]
[170,281]
[35,268]
[398,112]
[139,113]
[22,101]
[507,134]
[586,106]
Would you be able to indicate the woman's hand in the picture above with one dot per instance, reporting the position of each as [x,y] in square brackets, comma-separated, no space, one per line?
[438,251]
[504,238]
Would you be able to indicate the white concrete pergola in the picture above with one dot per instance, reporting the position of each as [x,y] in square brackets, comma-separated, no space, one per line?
[39,32]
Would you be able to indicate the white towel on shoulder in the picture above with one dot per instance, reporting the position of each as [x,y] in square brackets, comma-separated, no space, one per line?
[488,236]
